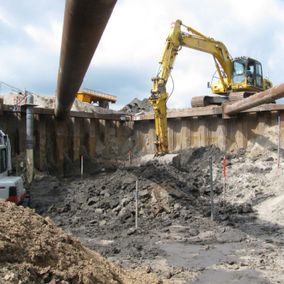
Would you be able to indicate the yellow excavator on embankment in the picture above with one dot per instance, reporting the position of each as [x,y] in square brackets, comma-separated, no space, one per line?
[237,78]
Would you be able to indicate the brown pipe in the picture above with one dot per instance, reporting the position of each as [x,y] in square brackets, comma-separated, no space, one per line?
[84,24]
[257,99]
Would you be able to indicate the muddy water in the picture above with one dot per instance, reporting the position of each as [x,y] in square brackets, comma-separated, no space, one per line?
[246,276]
[198,256]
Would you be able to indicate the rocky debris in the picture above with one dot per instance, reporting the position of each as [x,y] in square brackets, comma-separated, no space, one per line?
[49,103]
[136,106]
[104,205]
[34,250]
[174,214]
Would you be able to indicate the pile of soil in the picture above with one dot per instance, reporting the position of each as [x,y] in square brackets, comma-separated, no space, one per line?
[104,205]
[34,250]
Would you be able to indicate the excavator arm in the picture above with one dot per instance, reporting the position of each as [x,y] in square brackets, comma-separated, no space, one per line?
[159,93]
[175,41]
[223,60]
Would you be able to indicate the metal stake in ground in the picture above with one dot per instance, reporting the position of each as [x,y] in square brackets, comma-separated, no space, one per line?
[136,205]
[225,175]
[211,187]
[130,156]
[82,166]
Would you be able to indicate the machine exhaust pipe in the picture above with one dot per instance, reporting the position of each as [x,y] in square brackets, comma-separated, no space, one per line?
[84,24]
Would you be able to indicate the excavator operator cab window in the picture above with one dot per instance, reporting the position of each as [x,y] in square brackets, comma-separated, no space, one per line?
[258,74]
[250,74]
[238,72]
[254,73]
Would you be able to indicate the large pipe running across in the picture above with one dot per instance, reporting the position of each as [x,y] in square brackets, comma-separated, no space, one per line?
[84,24]
[257,99]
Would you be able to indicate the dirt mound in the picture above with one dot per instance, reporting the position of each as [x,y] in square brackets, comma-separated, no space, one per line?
[103,206]
[197,158]
[175,237]
[34,250]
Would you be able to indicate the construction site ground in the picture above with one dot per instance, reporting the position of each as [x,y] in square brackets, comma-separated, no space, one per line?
[176,238]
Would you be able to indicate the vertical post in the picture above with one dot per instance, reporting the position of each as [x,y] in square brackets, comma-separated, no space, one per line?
[136,205]
[279,134]
[82,166]
[29,141]
[129,157]
[225,174]
[211,188]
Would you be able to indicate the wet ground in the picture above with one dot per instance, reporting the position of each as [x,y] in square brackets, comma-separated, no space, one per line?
[176,237]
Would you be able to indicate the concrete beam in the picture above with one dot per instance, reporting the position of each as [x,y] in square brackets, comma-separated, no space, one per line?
[191,112]
[117,116]
[207,111]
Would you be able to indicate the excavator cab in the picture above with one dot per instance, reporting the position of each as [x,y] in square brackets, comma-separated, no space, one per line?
[247,74]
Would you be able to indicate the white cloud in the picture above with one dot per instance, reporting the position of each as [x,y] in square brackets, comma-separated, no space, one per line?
[137,30]
[4,17]
[47,37]
[134,39]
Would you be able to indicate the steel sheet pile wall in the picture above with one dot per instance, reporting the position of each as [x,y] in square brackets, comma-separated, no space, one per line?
[59,144]
[227,134]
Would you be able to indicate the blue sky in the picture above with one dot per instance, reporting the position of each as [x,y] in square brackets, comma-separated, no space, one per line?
[128,54]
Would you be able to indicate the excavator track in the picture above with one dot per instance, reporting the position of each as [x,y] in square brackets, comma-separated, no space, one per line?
[202,101]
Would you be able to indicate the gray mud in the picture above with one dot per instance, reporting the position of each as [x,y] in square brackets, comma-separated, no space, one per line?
[175,236]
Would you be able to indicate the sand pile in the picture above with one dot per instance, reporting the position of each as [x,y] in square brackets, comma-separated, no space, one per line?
[256,179]
[34,250]
[265,143]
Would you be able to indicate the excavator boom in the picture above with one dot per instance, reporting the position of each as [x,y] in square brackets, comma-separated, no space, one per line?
[175,41]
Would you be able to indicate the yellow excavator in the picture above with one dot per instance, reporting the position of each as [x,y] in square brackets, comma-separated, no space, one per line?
[237,78]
